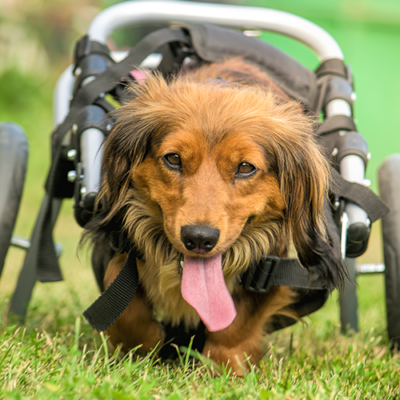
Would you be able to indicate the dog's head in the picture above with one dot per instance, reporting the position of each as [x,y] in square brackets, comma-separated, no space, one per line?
[218,169]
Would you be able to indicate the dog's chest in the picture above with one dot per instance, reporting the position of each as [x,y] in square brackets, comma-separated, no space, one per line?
[163,291]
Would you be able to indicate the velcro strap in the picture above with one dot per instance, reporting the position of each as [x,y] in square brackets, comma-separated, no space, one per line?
[372,204]
[292,273]
[275,271]
[114,300]
[336,123]
[334,66]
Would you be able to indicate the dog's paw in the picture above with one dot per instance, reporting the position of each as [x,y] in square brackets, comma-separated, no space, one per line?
[235,359]
[153,339]
[143,339]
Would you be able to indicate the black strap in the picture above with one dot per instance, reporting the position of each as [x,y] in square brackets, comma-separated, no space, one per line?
[275,271]
[372,204]
[47,267]
[114,300]
[336,123]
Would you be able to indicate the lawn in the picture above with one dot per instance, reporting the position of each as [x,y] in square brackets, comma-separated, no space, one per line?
[56,354]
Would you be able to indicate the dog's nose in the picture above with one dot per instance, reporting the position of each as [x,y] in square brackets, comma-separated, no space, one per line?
[199,238]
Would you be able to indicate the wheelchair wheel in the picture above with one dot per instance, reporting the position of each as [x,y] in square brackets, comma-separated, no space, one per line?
[389,186]
[13,162]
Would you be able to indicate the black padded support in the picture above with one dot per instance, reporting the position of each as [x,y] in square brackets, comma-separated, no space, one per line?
[351,143]
[336,123]
[84,47]
[213,43]
[338,88]
[333,66]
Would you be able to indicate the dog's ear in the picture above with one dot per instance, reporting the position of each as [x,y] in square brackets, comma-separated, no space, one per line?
[136,124]
[304,178]
[124,148]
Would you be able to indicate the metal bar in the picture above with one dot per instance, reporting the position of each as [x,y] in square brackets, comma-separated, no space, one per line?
[62,95]
[20,243]
[135,12]
[91,156]
[25,244]
[377,268]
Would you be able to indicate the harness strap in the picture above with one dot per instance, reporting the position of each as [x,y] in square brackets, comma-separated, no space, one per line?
[47,266]
[372,204]
[261,277]
[114,300]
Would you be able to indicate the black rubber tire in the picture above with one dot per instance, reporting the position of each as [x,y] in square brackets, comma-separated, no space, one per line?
[389,186]
[13,163]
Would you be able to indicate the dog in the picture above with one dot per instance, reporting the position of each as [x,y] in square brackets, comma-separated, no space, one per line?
[207,172]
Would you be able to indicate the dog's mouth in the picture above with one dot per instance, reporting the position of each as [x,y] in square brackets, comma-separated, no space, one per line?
[203,287]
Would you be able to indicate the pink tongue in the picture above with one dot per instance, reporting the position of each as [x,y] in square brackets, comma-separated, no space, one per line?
[204,288]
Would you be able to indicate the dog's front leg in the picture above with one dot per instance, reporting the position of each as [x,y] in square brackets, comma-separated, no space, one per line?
[243,339]
[136,325]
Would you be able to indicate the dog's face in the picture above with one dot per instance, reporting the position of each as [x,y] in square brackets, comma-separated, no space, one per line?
[226,170]
[208,190]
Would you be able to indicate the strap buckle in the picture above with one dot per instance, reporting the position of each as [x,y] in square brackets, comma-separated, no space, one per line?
[258,278]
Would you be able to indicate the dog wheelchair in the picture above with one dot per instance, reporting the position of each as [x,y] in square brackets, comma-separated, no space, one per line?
[88,90]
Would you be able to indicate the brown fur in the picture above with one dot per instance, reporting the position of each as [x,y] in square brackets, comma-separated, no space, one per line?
[214,126]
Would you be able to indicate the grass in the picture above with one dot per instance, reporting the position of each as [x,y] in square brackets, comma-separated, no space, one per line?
[56,354]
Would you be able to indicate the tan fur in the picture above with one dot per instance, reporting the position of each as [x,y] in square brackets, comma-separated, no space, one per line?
[214,126]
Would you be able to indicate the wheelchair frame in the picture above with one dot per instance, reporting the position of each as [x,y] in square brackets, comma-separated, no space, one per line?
[240,17]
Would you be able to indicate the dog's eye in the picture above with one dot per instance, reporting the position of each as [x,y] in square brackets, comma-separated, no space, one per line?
[172,160]
[245,170]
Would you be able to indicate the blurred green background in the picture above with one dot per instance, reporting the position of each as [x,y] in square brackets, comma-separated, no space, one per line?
[36,43]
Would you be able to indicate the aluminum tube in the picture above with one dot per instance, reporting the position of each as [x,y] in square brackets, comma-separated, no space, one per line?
[91,155]
[136,12]
[352,168]
[151,61]
[338,107]
[62,95]
[370,268]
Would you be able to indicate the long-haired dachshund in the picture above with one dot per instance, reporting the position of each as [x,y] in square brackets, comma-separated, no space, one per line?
[207,173]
